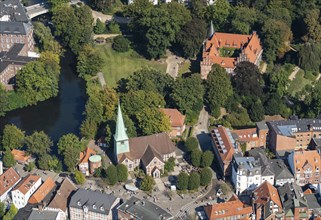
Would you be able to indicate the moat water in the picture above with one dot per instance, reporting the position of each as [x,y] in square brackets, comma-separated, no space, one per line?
[56,116]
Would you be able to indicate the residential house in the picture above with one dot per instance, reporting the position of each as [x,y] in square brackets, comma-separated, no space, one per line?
[305,165]
[21,156]
[47,187]
[23,191]
[314,203]
[177,121]
[218,47]
[83,164]
[230,210]
[46,214]
[149,152]
[252,137]
[224,147]
[87,204]
[246,174]
[60,200]
[8,180]
[16,40]
[267,204]
[141,209]
[282,173]
[294,203]
[295,134]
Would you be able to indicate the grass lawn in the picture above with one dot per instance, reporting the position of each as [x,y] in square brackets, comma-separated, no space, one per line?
[184,67]
[298,83]
[121,65]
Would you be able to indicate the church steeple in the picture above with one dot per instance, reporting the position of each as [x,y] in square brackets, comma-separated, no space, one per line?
[211,31]
[121,139]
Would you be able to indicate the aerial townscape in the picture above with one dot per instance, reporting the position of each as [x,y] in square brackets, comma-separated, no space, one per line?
[160,109]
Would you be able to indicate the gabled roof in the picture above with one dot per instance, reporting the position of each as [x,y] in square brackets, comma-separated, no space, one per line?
[84,156]
[95,201]
[280,170]
[149,155]
[266,193]
[20,155]
[42,191]
[175,117]
[233,207]
[27,183]
[62,196]
[303,160]
[246,135]
[8,179]
[137,145]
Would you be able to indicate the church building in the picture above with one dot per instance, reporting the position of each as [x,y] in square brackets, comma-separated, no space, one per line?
[227,50]
[147,152]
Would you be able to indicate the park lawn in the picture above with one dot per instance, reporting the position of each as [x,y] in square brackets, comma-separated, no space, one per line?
[184,67]
[298,83]
[121,65]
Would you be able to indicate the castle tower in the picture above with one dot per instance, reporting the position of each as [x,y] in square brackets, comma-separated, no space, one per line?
[121,139]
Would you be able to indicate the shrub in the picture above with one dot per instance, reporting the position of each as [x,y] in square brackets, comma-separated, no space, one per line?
[121,44]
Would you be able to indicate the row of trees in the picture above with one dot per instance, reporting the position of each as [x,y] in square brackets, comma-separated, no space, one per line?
[194,180]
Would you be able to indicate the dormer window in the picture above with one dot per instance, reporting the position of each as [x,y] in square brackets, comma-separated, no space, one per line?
[94,207]
[78,203]
[102,209]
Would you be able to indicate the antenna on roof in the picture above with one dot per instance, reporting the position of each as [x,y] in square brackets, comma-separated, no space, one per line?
[211,31]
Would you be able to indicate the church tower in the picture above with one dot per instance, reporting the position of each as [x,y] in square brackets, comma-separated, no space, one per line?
[211,31]
[121,139]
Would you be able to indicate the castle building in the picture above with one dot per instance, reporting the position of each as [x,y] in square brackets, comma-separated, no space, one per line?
[228,50]
[147,152]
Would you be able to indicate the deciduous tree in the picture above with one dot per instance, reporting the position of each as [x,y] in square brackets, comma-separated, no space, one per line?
[38,143]
[182,181]
[207,158]
[89,61]
[12,137]
[79,177]
[191,144]
[196,156]
[112,175]
[67,141]
[8,159]
[206,176]
[152,121]
[122,173]
[194,181]
[147,183]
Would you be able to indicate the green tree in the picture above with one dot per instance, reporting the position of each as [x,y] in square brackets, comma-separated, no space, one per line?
[147,183]
[275,36]
[89,61]
[191,144]
[196,156]
[218,13]
[243,19]
[207,158]
[122,173]
[45,40]
[11,213]
[8,159]
[120,44]
[198,8]
[74,25]
[2,209]
[188,94]
[113,28]
[182,181]
[169,164]
[279,79]
[239,118]
[111,175]
[79,177]
[191,37]
[218,89]
[152,121]
[12,137]
[68,141]
[71,157]
[206,176]
[313,26]
[309,57]
[38,143]
[4,101]
[247,79]
[43,162]
[256,111]
[194,181]
[29,167]
[99,27]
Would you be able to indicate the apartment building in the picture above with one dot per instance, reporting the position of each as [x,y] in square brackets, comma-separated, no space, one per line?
[8,180]
[177,121]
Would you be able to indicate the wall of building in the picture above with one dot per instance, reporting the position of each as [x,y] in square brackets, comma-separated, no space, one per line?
[19,199]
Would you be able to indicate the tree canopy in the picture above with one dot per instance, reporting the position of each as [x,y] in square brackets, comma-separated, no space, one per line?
[12,137]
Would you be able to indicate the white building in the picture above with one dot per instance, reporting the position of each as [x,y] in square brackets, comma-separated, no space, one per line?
[8,180]
[23,191]
[246,174]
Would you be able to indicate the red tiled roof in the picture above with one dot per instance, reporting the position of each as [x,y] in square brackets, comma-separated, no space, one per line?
[8,179]
[84,156]
[303,160]
[228,155]
[266,193]
[20,155]
[27,183]
[42,191]
[246,135]
[176,118]
[233,207]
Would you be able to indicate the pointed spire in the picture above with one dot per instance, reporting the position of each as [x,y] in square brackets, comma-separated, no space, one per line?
[211,31]
[120,134]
